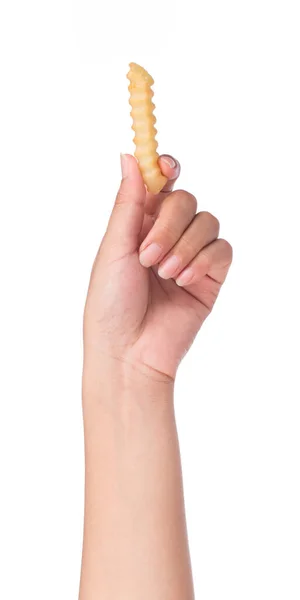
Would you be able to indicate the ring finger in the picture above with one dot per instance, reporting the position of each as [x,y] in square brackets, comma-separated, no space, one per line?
[175,215]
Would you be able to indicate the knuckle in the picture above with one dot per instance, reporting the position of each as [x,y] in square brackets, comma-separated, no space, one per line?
[210,219]
[188,244]
[227,250]
[166,233]
[205,261]
[168,229]
[122,198]
[186,199]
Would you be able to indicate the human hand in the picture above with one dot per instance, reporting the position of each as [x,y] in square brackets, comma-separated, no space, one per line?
[157,274]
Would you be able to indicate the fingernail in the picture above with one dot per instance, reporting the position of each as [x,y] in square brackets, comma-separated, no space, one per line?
[151,255]
[124,165]
[185,277]
[169,161]
[169,267]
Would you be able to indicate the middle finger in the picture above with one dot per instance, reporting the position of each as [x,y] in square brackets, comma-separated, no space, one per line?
[176,213]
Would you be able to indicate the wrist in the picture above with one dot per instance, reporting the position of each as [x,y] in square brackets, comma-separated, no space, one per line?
[123,407]
[108,379]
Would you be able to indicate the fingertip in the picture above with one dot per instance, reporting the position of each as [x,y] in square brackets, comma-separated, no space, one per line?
[124,159]
[129,166]
[132,185]
[170,167]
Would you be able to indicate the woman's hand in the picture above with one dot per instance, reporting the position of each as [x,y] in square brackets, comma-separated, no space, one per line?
[155,279]
[156,276]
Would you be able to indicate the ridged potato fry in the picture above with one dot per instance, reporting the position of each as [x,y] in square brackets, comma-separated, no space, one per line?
[143,126]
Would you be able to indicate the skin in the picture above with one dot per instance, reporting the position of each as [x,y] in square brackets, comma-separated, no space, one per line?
[155,279]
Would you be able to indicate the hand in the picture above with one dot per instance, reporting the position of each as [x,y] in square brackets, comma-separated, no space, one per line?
[156,276]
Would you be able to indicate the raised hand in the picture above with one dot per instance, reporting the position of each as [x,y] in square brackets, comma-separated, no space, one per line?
[156,276]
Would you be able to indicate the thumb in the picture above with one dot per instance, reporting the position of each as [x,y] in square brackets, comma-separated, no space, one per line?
[127,217]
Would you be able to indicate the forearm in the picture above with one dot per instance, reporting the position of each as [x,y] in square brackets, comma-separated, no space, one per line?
[135,543]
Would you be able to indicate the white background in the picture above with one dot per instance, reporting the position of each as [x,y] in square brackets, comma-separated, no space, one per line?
[228,105]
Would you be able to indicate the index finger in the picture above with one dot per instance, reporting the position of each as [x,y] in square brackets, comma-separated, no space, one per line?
[169,167]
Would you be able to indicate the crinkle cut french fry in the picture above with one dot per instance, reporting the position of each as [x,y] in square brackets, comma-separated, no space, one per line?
[143,126]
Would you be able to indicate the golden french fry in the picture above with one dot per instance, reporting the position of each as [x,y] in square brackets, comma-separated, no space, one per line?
[143,126]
